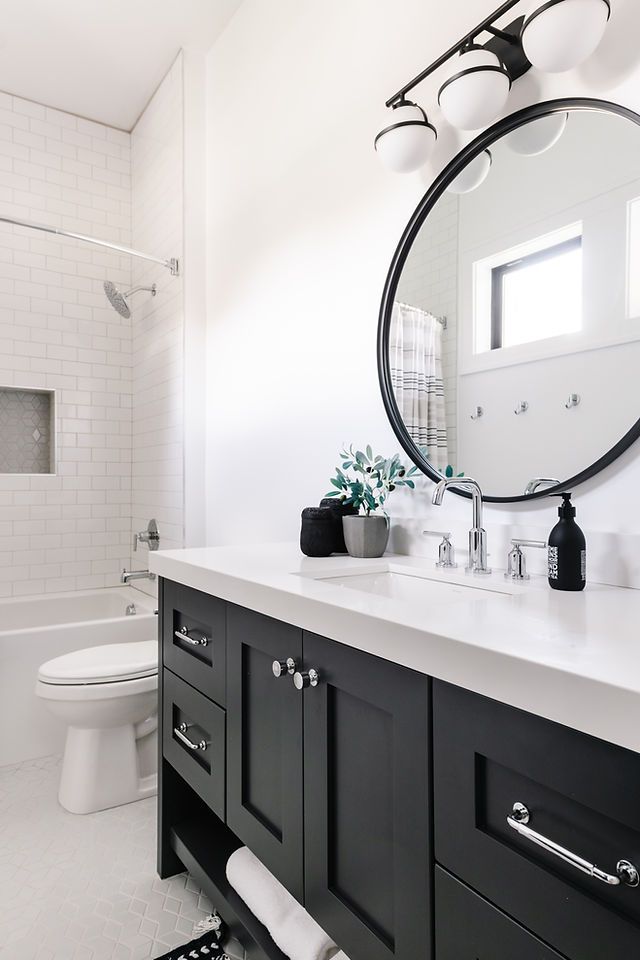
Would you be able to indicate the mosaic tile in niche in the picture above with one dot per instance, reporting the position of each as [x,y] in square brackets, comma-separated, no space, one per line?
[25,431]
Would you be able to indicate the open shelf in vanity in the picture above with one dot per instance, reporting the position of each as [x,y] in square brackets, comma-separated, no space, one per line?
[205,862]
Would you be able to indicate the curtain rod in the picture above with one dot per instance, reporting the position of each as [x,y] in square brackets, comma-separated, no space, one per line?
[172,265]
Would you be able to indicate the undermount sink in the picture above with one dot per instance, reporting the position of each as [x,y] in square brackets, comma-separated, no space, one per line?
[410,584]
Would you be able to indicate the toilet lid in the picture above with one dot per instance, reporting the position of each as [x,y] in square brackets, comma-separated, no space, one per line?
[104,664]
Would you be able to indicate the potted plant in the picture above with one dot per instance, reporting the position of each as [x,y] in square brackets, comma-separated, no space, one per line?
[364,483]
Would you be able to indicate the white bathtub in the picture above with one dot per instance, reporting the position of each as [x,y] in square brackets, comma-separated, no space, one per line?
[36,629]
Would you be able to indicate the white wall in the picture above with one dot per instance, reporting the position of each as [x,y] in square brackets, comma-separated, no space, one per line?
[303,223]
[157,322]
[68,531]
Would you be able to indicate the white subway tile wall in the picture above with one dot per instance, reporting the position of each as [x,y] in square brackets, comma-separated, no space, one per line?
[74,530]
[429,281]
[157,322]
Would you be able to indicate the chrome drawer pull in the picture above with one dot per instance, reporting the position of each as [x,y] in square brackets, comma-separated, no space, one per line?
[183,634]
[180,732]
[625,873]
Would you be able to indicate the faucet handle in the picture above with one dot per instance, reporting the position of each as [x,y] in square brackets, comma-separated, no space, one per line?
[516,560]
[150,536]
[446,551]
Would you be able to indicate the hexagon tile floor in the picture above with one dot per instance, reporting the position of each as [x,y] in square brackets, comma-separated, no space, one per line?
[84,888]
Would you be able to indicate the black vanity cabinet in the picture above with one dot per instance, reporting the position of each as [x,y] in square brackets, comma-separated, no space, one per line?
[390,805]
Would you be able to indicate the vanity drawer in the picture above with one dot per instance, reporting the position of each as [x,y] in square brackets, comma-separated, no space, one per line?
[194,638]
[193,740]
[470,928]
[581,793]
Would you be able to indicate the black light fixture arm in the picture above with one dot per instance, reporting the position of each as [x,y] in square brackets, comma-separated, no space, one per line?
[502,35]
[485,25]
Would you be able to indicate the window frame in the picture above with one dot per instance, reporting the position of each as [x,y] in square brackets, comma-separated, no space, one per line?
[499,272]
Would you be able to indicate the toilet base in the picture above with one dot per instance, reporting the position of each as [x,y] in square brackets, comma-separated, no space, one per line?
[107,767]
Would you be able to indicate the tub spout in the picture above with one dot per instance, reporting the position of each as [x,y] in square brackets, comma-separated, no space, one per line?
[128,575]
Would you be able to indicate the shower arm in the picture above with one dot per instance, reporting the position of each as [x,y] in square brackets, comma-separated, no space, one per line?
[172,264]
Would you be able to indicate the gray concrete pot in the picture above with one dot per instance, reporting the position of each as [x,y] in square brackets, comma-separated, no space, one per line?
[366,536]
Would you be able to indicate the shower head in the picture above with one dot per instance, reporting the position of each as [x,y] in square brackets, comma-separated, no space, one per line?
[118,300]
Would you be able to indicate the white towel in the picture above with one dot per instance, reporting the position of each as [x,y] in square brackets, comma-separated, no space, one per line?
[340,955]
[292,929]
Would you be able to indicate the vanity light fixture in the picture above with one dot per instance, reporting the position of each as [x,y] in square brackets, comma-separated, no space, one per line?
[475,173]
[406,144]
[561,34]
[476,90]
[555,36]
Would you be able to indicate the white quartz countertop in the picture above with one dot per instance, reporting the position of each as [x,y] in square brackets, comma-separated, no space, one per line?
[571,657]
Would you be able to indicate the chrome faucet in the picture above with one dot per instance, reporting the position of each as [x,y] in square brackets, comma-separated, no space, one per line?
[477,535]
[539,482]
[128,575]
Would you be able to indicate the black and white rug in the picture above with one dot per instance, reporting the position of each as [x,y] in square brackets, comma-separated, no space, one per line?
[205,947]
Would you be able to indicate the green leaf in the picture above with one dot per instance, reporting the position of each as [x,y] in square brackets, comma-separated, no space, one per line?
[369,452]
[410,483]
[333,493]
[449,471]
[337,483]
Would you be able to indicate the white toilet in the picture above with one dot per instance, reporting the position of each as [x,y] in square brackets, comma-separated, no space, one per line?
[108,696]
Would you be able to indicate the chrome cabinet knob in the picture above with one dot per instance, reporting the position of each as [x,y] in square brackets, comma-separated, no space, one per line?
[305,678]
[283,668]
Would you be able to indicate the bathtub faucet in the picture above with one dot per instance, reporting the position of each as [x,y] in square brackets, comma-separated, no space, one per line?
[128,575]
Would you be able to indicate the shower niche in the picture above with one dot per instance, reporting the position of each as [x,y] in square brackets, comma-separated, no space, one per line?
[27,431]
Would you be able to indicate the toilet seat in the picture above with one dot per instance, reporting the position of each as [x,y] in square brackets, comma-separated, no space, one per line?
[112,663]
[111,690]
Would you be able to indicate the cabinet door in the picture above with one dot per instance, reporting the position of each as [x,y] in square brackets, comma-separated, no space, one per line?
[367,842]
[264,743]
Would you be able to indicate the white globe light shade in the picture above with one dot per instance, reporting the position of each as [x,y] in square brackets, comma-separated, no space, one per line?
[407,143]
[537,136]
[561,34]
[476,90]
[475,173]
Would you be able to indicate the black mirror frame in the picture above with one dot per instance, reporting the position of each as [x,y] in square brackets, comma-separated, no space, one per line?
[422,211]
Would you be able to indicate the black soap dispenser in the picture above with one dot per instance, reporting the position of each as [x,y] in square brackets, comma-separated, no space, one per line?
[567,550]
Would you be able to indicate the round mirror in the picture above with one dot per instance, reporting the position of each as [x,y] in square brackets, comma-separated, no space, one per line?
[509,336]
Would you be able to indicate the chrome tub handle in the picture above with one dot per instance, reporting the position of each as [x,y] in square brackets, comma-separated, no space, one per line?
[180,732]
[625,873]
[183,634]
